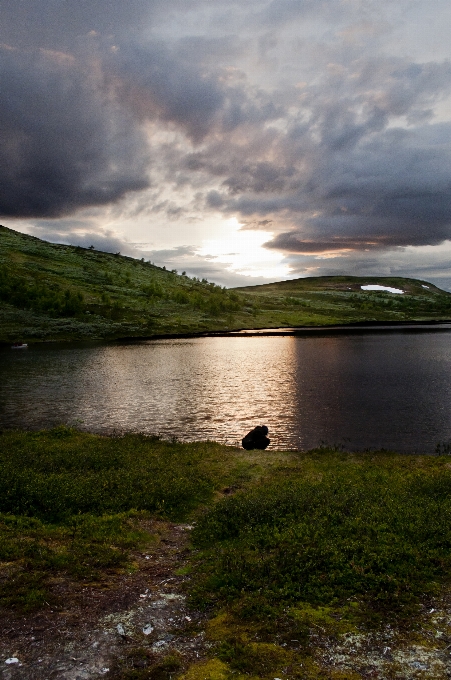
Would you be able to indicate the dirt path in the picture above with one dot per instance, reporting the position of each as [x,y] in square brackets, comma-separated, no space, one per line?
[136,620]
[140,620]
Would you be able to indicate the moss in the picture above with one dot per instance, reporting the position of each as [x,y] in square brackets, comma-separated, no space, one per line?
[139,663]
[218,627]
[329,620]
[256,658]
[213,669]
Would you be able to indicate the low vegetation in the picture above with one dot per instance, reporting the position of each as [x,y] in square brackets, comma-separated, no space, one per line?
[57,292]
[374,532]
[286,545]
[76,504]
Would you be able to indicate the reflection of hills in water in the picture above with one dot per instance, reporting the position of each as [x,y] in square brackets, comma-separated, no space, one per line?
[50,291]
[358,389]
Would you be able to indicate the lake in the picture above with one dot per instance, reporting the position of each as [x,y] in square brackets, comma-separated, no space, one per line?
[360,389]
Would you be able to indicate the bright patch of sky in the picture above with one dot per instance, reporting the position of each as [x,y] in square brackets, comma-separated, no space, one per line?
[242,253]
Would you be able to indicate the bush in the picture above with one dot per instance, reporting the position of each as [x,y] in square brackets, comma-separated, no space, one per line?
[57,473]
[39,296]
[380,534]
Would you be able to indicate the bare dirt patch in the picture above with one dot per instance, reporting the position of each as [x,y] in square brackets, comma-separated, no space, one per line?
[101,625]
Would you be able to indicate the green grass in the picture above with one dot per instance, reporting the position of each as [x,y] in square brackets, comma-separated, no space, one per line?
[324,539]
[324,545]
[340,299]
[374,530]
[75,504]
[55,474]
[57,292]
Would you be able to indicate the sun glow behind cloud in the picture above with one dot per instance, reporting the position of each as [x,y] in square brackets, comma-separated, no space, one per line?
[242,252]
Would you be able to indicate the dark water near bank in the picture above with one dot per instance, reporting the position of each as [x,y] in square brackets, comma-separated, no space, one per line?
[362,390]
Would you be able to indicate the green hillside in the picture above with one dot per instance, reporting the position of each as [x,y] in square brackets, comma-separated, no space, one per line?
[326,300]
[58,292]
[50,292]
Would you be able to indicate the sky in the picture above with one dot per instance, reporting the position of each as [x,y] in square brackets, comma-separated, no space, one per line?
[243,142]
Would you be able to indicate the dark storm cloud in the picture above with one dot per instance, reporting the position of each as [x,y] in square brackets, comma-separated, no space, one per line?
[73,106]
[393,190]
[177,84]
[58,24]
[71,130]
[360,166]
[282,11]
[324,139]
[64,140]
[155,84]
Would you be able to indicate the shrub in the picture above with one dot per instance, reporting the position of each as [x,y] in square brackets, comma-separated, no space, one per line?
[381,535]
[58,473]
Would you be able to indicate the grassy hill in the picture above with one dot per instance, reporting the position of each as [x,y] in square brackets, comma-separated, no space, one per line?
[326,300]
[58,292]
[50,291]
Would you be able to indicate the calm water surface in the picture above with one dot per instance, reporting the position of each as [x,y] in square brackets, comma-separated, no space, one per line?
[362,390]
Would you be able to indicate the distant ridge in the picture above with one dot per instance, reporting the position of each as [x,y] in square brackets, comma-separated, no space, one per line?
[57,292]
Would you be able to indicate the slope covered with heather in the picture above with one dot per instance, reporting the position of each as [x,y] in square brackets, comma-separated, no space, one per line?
[58,292]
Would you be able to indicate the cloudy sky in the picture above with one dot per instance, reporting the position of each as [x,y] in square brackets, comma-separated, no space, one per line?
[241,141]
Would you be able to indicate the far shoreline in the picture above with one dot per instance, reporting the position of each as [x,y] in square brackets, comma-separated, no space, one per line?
[355,328]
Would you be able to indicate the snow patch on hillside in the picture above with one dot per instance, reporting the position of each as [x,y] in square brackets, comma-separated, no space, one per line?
[398,291]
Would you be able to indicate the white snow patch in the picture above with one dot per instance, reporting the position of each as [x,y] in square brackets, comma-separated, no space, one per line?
[423,286]
[386,288]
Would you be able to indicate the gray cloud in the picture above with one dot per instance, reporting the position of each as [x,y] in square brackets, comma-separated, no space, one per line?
[301,117]
[59,24]
[155,84]
[71,124]
[359,165]
[84,233]
[393,190]
[65,142]
[171,254]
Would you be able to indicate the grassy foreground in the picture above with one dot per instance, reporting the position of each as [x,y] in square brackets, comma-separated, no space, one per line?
[57,292]
[321,540]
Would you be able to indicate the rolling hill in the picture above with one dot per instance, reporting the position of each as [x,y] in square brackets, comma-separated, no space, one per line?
[58,292]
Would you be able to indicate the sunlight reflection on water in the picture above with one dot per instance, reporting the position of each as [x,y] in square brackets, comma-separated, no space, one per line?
[363,391]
